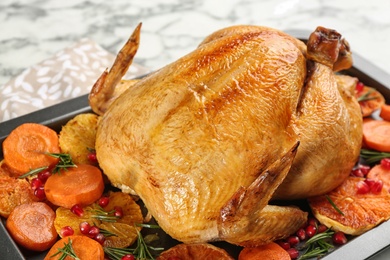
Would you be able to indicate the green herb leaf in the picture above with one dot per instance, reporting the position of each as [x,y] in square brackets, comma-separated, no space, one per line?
[107,233]
[371,156]
[64,162]
[33,172]
[317,246]
[65,251]
[142,249]
[334,205]
[366,96]
[102,215]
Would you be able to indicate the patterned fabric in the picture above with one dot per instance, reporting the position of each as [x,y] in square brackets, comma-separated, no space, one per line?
[69,74]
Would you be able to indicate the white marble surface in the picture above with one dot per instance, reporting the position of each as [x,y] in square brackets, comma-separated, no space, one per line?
[34,30]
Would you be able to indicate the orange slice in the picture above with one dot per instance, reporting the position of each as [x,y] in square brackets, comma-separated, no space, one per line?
[202,251]
[13,192]
[378,172]
[361,212]
[370,100]
[124,229]
[268,251]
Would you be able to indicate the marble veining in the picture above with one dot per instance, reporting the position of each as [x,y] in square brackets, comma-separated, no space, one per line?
[34,30]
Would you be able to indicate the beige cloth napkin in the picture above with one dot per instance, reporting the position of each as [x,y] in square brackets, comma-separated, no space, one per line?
[68,74]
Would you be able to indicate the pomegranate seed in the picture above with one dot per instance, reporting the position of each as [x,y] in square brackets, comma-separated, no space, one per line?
[339,238]
[85,227]
[92,157]
[100,238]
[40,193]
[66,231]
[118,212]
[44,175]
[375,185]
[385,163]
[369,182]
[357,173]
[312,222]
[36,183]
[364,169]
[103,201]
[93,231]
[128,257]
[359,87]
[283,244]
[362,187]
[310,231]
[321,228]
[293,240]
[301,234]
[293,252]
[361,170]
[77,210]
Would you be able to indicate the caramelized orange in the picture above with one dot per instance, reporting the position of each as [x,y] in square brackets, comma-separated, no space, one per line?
[195,252]
[271,251]
[359,212]
[370,100]
[378,172]
[124,228]
[13,192]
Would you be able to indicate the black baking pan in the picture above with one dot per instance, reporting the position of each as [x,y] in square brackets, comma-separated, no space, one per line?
[366,246]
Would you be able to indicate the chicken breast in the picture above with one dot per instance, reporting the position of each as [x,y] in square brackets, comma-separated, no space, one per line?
[207,140]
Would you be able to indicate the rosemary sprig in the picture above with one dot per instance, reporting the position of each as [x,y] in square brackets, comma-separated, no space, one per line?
[371,156]
[334,205]
[366,96]
[102,215]
[64,162]
[107,233]
[317,246]
[33,172]
[142,249]
[116,253]
[65,251]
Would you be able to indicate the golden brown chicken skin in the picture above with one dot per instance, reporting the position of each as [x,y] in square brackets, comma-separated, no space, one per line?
[209,139]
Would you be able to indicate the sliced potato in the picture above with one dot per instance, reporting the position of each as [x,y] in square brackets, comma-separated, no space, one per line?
[77,137]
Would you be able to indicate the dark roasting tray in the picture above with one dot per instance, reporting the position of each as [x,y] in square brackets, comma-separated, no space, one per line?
[368,245]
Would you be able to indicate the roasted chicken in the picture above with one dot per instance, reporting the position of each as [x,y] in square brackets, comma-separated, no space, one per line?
[251,115]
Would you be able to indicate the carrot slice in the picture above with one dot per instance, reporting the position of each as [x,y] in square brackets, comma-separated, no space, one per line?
[268,251]
[84,247]
[79,185]
[385,112]
[376,135]
[31,225]
[26,146]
